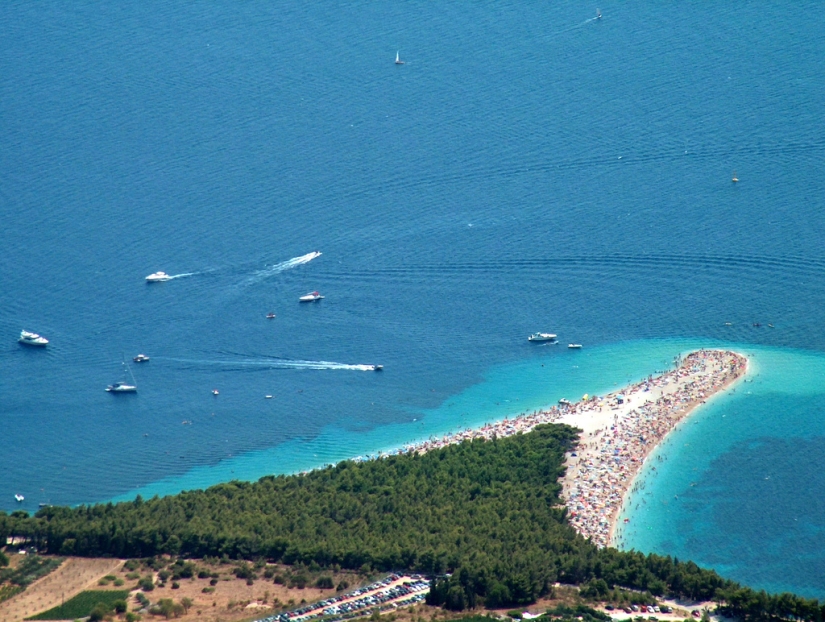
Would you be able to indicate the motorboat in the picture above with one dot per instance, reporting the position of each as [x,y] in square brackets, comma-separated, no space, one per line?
[121,387]
[32,339]
[542,337]
[215,392]
[574,346]
[310,297]
[19,498]
[270,316]
[398,60]
[140,358]
[564,402]
[157,277]
[269,397]
[375,367]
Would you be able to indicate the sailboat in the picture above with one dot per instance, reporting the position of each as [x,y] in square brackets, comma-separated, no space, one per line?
[398,60]
[124,387]
[734,179]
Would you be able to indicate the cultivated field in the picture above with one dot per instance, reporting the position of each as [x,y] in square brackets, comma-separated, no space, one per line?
[73,576]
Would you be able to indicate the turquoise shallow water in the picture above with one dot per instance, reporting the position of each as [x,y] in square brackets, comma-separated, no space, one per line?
[740,485]
[553,373]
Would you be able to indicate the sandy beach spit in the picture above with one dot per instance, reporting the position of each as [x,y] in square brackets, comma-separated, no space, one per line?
[619,432]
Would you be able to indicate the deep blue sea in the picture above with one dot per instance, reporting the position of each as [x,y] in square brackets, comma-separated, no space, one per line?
[529,168]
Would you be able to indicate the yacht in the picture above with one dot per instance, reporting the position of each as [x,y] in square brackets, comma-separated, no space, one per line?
[32,339]
[542,337]
[19,498]
[121,387]
[157,277]
[574,346]
[140,358]
[310,297]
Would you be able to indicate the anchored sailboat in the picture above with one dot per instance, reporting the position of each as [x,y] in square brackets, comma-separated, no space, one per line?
[124,387]
[398,60]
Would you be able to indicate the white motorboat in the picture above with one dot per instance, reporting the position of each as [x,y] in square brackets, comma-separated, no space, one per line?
[140,358]
[310,297]
[398,60]
[124,387]
[19,498]
[574,346]
[32,339]
[542,337]
[157,277]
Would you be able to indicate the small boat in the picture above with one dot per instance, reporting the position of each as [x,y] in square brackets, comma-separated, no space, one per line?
[377,367]
[270,316]
[564,402]
[734,179]
[598,14]
[32,339]
[140,358]
[574,346]
[157,277]
[269,397]
[398,60]
[124,387]
[542,337]
[121,387]
[19,498]
[310,297]
[215,392]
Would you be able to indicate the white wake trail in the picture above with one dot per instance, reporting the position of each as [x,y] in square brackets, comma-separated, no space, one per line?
[281,267]
[273,363]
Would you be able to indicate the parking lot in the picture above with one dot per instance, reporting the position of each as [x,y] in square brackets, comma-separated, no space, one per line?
[394,591]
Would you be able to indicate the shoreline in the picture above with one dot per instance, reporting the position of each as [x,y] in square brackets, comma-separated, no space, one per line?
[619,431]
[614,445]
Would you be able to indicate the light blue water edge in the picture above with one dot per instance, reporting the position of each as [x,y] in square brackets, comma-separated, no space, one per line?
[553,372]
[739,485]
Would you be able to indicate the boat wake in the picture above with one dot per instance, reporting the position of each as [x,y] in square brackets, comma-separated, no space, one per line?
[180,276]
[269,363]
[281,267]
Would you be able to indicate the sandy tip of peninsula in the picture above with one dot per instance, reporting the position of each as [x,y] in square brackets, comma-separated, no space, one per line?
[620,430]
